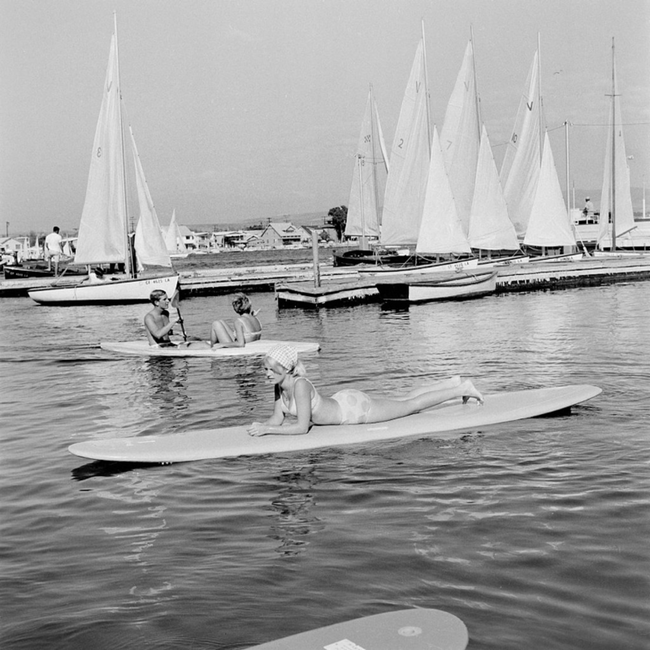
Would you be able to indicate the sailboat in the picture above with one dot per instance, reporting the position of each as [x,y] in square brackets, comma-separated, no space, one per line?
[409,161]
[490,228]
[174,239]
[616,212]
[367,191]
[549,225]
[521,163]
[104,229]
[529,177]
[412,173]
[460,136]
[441,232]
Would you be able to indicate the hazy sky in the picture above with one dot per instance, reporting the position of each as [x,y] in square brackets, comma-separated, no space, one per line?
[250,109]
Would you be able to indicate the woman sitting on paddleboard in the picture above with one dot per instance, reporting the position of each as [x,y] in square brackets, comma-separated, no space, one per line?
[245,329]
[296,395]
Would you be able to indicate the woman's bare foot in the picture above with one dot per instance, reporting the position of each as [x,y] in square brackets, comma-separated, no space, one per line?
[470,392]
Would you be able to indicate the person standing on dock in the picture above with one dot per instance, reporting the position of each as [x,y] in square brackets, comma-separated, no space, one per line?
[53,249]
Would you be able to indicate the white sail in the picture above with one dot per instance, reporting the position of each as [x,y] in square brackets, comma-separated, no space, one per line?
[521,163]
[173,238]
[102,230]
[460,136]
[622,208]
[489,226]
[409,162]
[369,177]
[549,223]
[149,242]
[441,231]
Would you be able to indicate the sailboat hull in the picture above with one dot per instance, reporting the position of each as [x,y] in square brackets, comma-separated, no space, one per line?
[407,271]
[114,292]
[450,287]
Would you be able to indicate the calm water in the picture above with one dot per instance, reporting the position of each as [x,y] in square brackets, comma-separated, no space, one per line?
[536,535]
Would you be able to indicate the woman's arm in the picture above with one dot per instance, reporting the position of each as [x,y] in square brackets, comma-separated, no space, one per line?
[239,341]
[300,426]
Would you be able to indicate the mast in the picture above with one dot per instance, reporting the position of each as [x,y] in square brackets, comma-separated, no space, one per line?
[426,87]
[613,189]
[573,195]
[128,267]
[539,92]
[566,142]
[364,238]
[373,135]
[479,120]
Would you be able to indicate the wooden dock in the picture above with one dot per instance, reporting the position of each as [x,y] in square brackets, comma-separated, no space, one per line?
[209,282]
[532,276]
[564,275]
[298,278]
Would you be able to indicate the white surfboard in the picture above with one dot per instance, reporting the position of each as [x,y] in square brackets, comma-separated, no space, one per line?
[407,629]
[441,422]
[254,348]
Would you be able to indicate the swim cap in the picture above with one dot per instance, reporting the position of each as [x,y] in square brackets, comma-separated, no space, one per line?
[285,355]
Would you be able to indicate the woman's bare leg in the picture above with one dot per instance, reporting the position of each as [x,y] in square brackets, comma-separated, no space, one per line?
[221,333]
[383,409]
[451,382]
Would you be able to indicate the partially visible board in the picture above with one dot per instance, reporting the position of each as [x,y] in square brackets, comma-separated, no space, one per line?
[254,348]
[406,629]
[448,420]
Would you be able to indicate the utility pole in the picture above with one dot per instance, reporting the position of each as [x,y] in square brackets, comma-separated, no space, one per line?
[6,229]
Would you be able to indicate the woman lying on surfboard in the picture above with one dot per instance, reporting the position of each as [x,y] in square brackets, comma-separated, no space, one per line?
[296,395]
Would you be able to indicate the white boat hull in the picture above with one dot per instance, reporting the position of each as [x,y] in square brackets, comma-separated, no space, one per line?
[109,292]
[406,272]
[505,261]
[565,257]
[335,294]
[463,285]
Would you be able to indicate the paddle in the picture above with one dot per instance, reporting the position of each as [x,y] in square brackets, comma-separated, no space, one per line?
[175,302]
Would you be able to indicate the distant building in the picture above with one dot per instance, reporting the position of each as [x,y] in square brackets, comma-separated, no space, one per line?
[18,246]
[191,239]
[281,235]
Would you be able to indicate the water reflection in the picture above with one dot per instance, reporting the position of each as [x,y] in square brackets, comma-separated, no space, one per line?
[104,469]
[292,506]
[140,519]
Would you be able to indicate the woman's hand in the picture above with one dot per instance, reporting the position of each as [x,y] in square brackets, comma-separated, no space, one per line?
[257,429]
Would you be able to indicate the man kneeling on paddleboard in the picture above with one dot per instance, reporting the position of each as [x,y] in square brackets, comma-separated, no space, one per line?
[295,395]
[157,322]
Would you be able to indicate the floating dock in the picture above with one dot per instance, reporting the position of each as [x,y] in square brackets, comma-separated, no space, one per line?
[209,282]
[344,285]
[532,276]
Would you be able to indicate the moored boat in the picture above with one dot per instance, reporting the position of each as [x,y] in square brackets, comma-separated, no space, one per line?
[104,236]
[369,256]
[446,287]
[107,292]
[419,266]
[38,269]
